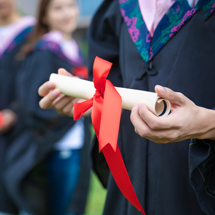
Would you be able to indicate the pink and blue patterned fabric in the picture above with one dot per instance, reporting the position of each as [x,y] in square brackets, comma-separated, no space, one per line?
[55,48]
[17,40]
[209,9]
[170,24]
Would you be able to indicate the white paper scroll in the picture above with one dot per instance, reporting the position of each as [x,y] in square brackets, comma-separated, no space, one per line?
[130,98]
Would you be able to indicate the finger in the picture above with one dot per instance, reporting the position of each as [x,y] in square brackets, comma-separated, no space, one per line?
[153,121]
[64,72]
[140,126]
[173,97]
[58,99]
[46,102]
[63,96]
[68,109]
[158,136]
[45,88]
[63,102]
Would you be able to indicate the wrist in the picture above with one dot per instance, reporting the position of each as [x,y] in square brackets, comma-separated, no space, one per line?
[205,124]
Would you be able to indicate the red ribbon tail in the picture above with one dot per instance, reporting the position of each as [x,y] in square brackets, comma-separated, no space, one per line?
[120,175]
[81,108]
[106,114]
[1,120]
[108,135]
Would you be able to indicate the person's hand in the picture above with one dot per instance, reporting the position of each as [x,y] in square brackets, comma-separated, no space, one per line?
[10,119]
[54,99]
[186,120]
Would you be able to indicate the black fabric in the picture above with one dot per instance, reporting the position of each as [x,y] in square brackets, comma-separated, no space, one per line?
[99,164]
[79,200]
[202,172]
[9,66]
[6,203]
[24,177]
[159,173]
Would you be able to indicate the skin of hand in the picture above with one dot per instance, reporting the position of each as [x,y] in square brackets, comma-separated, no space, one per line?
[10,119]
[54,99]
[186,120]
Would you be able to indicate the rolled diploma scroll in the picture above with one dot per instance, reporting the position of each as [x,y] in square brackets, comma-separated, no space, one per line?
[83,89]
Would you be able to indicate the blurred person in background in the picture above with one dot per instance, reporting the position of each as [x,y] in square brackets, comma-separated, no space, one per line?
[44,161]
[14,30]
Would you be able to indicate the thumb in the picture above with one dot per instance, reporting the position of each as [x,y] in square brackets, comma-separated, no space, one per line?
[173,97]
[64,72]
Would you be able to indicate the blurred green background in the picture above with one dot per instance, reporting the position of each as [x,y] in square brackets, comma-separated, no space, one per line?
[96,197]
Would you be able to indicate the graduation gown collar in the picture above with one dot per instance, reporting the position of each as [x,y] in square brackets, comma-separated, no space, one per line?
[177,16]
[53,42]
[19,31]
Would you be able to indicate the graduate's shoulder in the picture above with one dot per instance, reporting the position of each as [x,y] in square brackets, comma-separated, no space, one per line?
[47,54]
[46,59]
[106,22]
[53,46]
[17,35]
[109,11]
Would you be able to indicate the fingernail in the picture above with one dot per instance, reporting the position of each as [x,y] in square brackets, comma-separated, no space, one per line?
[133,109]
[50,85]
[161,89]
[140,105]
[55,92]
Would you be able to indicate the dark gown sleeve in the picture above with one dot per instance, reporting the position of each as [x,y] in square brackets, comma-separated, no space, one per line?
[48,126]
[202,172]
[35,70]
[103,42]
[9,67]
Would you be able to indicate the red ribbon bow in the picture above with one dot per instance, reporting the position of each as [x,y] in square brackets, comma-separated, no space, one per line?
[106,114]
[1,120]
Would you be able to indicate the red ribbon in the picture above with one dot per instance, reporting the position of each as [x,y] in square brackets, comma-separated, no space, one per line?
[1,120]
[80,71]
[106,114]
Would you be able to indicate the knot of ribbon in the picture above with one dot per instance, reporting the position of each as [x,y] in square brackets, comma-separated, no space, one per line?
[106,113]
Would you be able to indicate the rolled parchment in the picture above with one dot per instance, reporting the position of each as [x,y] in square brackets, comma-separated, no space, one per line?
[83,89]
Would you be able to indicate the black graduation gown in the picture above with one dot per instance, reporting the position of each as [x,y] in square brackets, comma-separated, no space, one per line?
[175,178]
[24,175]
[9,66]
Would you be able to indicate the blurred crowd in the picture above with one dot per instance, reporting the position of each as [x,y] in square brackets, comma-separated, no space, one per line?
[44,155]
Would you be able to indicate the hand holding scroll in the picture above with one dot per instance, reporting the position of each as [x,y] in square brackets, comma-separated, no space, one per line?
[53,98]
[186,120]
